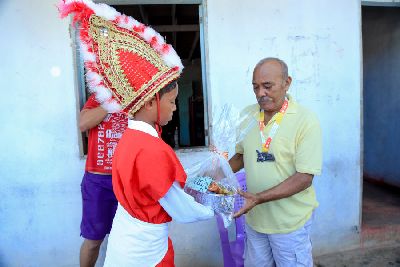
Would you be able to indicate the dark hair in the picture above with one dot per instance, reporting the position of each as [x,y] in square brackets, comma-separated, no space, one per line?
[168,88]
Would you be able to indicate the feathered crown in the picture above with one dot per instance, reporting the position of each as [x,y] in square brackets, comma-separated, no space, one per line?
[126,62]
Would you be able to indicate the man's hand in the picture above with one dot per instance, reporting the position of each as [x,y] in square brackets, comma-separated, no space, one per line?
[292,185]
[251,201]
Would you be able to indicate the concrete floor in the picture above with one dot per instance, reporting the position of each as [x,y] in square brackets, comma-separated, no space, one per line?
[381,215]
[367,257]
[380,233]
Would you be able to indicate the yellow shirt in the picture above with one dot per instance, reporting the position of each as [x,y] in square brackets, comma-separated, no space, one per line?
[297,147]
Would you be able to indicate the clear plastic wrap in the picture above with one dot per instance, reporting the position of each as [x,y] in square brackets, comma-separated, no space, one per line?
[211,182]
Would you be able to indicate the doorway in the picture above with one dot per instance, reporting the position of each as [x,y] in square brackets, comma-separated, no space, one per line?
[180,26]
[381,124]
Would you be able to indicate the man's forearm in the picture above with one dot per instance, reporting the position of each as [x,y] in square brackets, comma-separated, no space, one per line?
[236,162]
[292,185]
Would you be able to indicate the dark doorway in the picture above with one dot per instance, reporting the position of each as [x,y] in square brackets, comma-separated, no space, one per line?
[381,123]
[179,24]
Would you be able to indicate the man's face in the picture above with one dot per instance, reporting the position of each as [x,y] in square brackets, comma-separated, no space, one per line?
[269,87]
[167,106]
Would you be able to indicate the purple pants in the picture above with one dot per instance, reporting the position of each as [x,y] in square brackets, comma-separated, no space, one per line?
[98,206]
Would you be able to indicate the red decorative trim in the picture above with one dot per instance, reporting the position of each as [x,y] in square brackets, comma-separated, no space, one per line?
[139,29]
[165,48]
[150,90]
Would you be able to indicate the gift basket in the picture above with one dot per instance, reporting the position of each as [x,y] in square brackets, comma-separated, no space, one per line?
[211,182]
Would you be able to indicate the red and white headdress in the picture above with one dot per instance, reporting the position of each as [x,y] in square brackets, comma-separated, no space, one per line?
[126,62]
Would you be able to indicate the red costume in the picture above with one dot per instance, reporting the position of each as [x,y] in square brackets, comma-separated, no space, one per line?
[144,169]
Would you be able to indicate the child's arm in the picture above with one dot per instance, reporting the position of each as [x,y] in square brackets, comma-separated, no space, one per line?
[182,207]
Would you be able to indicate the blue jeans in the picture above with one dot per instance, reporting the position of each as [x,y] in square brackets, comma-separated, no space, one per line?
[282,250]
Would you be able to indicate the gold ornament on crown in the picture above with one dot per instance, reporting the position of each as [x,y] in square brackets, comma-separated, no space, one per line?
[110,39]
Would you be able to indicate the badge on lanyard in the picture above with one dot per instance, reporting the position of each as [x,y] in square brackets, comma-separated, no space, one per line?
[264,155]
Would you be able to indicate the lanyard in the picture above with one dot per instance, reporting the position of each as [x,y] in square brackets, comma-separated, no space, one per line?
[266,142]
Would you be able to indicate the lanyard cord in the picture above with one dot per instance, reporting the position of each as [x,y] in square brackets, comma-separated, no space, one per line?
[266,142]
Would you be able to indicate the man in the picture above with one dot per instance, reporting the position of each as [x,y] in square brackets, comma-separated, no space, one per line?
[98,200]
[280,156]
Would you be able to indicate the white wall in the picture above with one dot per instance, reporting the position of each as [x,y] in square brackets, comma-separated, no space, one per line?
[320,41]
[41,169]
[40,165]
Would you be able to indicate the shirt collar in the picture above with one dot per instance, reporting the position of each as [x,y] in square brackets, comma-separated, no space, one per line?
[292,108]
[142,126]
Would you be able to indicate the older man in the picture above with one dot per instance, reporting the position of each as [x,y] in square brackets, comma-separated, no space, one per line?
[280,156]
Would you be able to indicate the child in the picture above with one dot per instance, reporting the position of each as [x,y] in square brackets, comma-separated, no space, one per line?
[130,68]
[148,180]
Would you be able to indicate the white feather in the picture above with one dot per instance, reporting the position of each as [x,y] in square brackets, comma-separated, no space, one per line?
[86,55]
[93,78]
[159,45]
[172,59]
[105,11]
[135,22]
[102,93]
[148,34]
[160,39]
[127,25]
[130,23]
[111,106]
[92,89]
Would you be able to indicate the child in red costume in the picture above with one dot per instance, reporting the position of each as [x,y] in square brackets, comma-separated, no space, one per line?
[147,181]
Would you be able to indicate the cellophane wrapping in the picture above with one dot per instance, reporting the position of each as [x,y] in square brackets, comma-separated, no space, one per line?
[215,167]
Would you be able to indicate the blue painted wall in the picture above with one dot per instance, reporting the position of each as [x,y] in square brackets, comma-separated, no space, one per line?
[381,51]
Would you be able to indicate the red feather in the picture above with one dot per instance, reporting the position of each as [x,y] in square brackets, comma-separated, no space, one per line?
[91,66]
[153,42]
[165,48]
[81,11]
[139,28]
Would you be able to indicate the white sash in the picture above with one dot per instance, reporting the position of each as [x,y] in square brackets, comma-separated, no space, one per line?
[135,243]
